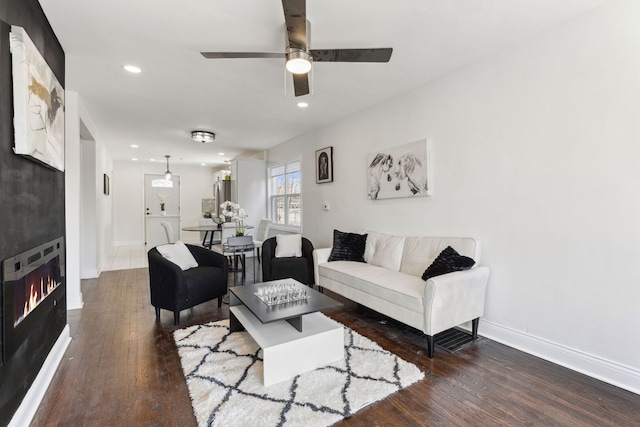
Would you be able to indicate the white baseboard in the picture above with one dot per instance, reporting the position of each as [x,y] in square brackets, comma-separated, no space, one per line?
[90,273]
[604,370]
[75,303]
[31,401]
[129,243]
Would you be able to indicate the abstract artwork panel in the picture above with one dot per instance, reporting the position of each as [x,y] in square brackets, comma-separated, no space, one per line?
[38,101]
[402,171]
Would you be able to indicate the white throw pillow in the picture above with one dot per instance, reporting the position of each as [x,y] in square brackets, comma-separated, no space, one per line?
[288,245]
[178,254]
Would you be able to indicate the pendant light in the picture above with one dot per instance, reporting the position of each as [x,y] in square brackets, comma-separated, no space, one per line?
[167,174]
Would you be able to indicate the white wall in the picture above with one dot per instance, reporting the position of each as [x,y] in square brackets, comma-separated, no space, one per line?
[535,153]
[249,182]
[104,204]
[196,183]
[88,211]
[80,219]
[72,199]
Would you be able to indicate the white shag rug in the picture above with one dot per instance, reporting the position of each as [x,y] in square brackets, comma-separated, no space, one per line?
[224,376]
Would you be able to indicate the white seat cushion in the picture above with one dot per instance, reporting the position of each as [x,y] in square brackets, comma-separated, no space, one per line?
[398,288]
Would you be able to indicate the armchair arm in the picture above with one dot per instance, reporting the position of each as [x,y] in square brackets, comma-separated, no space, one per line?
[268,252]
[319,256]
[454,298]
[166,280]
[307,254]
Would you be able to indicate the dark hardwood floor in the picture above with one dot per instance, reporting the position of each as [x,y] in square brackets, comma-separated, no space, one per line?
[122,368]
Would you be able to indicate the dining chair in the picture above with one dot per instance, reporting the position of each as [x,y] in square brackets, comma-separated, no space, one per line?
[168,231]
[262,234]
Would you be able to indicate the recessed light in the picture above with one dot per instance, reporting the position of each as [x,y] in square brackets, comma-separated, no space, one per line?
[203,164]
[135,159]
[303,104]
[134,146]
[152,159]
[132,69]
[220,154]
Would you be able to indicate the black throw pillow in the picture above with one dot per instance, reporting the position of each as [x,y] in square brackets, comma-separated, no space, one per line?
[448,261]
[348,246]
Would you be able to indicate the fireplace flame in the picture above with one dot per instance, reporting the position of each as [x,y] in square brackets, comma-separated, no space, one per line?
[47,285]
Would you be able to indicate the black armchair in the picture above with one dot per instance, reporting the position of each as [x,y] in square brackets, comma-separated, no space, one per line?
[299,268]
[174,289]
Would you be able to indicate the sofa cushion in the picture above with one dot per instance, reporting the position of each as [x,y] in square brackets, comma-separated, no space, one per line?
[384,250]
[288,245]
[398,288]
[348,246]
[420,252]
[448,261]
[178,254]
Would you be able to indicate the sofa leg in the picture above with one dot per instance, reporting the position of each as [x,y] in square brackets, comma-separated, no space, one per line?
[474,327]
[176,317]
[219,301]
[431,346]
[157,312]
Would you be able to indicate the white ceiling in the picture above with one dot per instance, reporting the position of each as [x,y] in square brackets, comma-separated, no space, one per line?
[243,100]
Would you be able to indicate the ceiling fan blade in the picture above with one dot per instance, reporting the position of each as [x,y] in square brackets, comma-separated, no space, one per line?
[301,84]
[352,55]
[295,17]
[217,55]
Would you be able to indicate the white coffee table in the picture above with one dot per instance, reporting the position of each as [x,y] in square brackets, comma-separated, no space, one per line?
[295,337]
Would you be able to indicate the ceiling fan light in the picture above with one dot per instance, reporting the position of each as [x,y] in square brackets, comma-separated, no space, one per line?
[298,62]
[203,136]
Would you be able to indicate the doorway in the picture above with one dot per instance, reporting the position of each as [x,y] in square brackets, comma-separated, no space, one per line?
[161,226]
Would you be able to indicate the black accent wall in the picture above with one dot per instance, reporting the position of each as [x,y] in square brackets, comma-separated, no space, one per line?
[31,201]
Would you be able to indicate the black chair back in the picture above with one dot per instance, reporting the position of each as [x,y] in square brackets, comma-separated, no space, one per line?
[299,268]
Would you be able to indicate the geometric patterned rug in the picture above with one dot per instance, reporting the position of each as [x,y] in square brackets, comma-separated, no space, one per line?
[224,376]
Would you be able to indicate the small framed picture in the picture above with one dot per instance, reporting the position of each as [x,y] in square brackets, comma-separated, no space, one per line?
[106,184]
[324,165]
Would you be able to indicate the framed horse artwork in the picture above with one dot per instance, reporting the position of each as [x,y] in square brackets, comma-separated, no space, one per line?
[402,171]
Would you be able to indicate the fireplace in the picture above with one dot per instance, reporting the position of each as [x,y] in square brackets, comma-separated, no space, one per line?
[31,289]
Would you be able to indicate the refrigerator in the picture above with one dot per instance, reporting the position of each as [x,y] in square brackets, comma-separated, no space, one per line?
[222,192]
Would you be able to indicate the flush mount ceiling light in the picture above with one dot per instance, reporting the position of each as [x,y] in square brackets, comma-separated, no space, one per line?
[298,61]
[203,136]
[167,174]
[132,69]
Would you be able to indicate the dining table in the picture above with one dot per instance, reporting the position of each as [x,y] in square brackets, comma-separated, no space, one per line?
[210,231]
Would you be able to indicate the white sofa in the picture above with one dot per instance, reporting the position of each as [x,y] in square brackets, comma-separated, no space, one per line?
[390,282]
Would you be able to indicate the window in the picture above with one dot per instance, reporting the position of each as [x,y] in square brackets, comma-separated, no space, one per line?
[285,194]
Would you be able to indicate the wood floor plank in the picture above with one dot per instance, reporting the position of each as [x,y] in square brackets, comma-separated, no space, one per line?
[122,368]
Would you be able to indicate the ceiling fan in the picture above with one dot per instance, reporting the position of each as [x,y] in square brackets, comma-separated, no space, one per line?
[298,55]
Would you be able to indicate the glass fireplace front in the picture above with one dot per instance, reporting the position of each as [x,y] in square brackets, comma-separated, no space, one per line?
[29,279]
